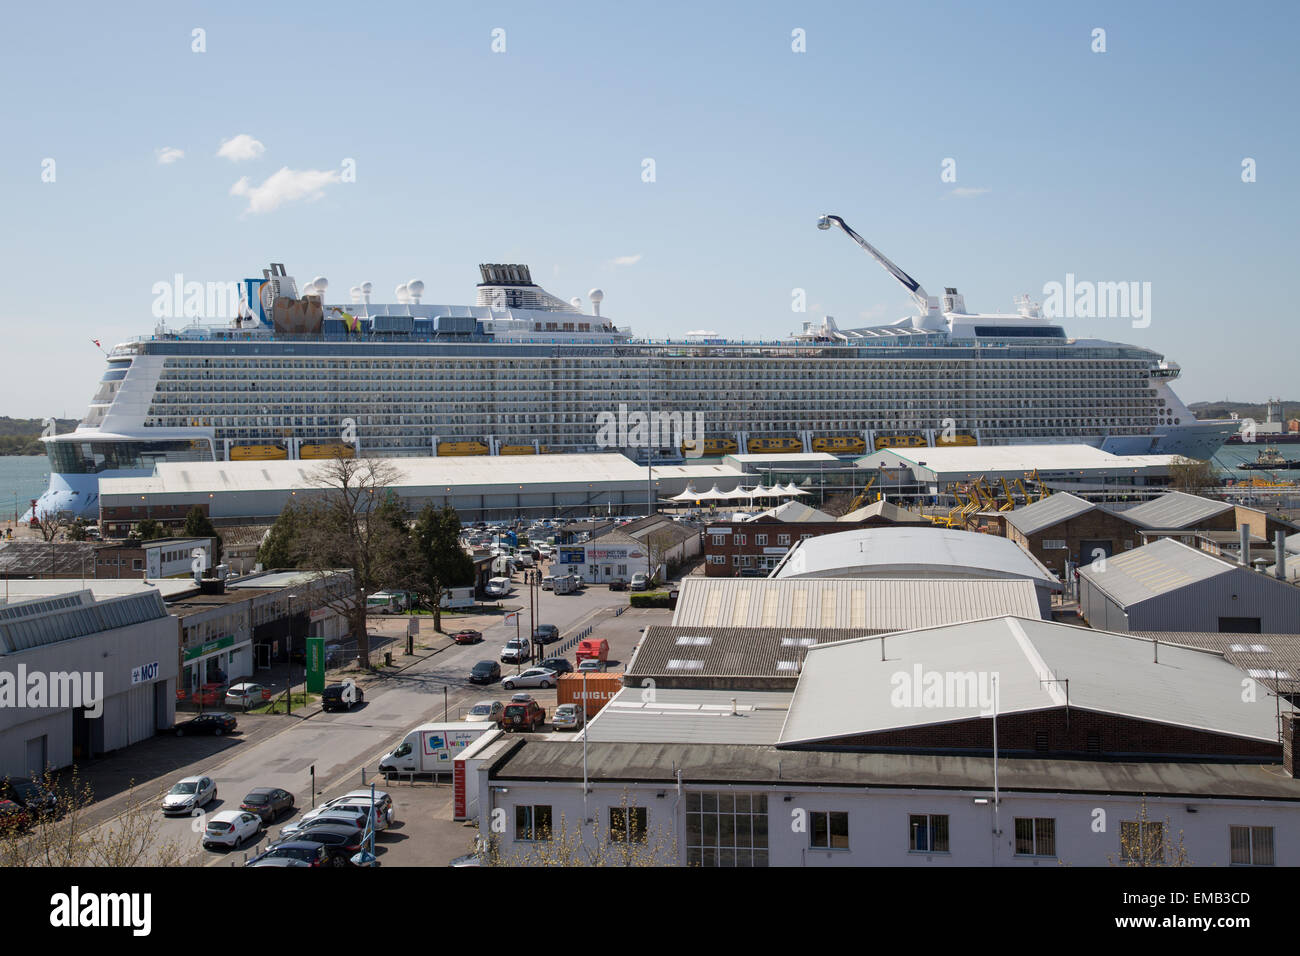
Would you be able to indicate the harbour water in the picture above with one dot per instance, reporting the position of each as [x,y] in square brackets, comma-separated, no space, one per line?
[22,478]
[1230,456]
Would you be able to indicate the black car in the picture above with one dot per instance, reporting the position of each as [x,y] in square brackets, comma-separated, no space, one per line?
[268,802]
[546,633]
[335,697]
[212,723]
[618,584]
[560,665]
[340,843]
[29,794]
[485,672]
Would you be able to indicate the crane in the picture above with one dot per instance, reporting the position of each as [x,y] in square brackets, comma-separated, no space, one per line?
[930,317]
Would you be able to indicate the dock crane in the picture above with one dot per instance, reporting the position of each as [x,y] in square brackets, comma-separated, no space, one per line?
[861,499]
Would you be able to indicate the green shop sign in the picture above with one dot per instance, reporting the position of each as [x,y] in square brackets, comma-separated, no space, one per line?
[315,665]
[209,647]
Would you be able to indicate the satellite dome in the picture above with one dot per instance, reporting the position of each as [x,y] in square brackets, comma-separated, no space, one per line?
[576,302]
[415,286]
[595,295]
[355,293]
[401,292]
[321,283]
[367,288]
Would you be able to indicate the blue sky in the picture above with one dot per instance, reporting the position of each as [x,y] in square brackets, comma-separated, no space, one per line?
[1115,166]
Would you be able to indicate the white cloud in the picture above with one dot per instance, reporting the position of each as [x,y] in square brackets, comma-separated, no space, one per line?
[628,260]
[168,155]
[286,185]
[241,147]
[966,192]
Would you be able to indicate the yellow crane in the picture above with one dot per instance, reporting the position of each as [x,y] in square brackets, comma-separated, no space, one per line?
[861,499]
[1010,502]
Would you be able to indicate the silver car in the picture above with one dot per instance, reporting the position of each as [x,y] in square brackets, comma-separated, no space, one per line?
[485,711]
[533,677]
[189,794]
[567,717]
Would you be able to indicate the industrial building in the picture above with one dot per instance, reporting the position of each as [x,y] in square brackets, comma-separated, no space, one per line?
[877,765]
[144,560]
[1078,468]
[1169,586]
[753,546]
[939,553]
[81,676]
[1064,529]
[884,604]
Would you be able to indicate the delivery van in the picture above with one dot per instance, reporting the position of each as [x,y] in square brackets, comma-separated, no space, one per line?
[498,587]
[431,748]
[592,647]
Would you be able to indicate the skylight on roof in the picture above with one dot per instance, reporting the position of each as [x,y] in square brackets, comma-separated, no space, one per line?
[680,665]
[689,640]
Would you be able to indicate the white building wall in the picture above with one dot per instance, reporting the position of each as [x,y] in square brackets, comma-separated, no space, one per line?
[1087,827]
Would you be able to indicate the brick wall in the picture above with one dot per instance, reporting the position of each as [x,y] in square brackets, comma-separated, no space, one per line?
[731,548]
[1096,525]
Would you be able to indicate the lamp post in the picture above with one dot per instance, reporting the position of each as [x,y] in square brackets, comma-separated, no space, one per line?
[288,698]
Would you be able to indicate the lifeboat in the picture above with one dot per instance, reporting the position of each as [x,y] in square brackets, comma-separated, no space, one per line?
[900,441]
[779,446]
[258,453]
[335,450]
[959,439]
[457,448]
[840,445]
[712,446]
[518,450]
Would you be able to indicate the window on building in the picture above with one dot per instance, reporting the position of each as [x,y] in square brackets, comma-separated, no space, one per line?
[1035,836]
[742,539]
[735,560]
[1251,846]
[137,564]
[726,829]
[533,822]
[1142,840]
[1040,742]
[782,539]
[622,570]
[804,537]
[719,540]
[627,824]
[1094,743]
[829,830]
[717,559]
[1053,544]
[928,832]
[760,539]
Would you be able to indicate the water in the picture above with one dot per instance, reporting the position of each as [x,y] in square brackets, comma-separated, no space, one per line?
[1229,456]
[24,477]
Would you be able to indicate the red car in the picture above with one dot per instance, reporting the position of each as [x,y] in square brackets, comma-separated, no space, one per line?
[467,636]
[12,816]
[210,694]
[523,715]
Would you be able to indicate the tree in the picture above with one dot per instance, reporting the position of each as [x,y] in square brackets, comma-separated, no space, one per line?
[592,845]
[658,543]
[148,530]
[52,524]
[441,562]
[280,547]
[71,837]
[1146,842]
[199,525]
[344,528]
[1192,476]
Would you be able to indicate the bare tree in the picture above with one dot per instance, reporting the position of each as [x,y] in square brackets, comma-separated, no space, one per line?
[592,845]
[343,528]
[1147,842]
[52,525]
[1192,476]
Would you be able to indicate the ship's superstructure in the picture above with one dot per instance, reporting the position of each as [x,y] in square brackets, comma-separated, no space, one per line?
[525,372]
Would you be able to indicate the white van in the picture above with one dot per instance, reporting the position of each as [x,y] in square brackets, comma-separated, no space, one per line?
[498,587]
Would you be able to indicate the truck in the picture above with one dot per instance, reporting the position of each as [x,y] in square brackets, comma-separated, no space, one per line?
[388,602]
[498,587]
[565,584]
[457,598]
[431,748]
[601,689]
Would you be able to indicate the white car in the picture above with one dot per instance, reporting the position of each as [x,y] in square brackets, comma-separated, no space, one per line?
[485,710]
[244,695]
[189,794]
[361,799]
[231,828]
[533,677]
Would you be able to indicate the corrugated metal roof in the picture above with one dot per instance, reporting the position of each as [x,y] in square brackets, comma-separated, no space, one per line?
[912,552]
[1015,460]
[1153,569]
[707,652]
[548,760]
[692,716]
[847,689]
[886,510]
[1052,510]
[49,557]
[878,603]
[1273,659]
[1175,510]
[50,625]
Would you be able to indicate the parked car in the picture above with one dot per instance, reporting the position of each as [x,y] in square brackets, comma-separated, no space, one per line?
[295,853]
[340,843]
[568,717]
[591,665]
[523,716]
[639,582]
[335,696]
[489,710]
[268,802]
[467,636]
[560,665]
[533,677]
[516,651]
[546,633]
[618,584]
[354,817]
[210,694]
[247,695]
[32,795]
[230,828]
[548,582]
[383,801]
[485,672]
[358,801]
[189,794]
[207,723]
[522,697]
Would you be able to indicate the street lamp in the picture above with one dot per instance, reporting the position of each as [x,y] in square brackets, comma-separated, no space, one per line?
[288,701]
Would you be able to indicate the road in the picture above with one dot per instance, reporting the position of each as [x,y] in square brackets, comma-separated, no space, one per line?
[337,745]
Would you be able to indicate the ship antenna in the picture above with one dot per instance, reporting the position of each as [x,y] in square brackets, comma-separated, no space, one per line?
[913,287]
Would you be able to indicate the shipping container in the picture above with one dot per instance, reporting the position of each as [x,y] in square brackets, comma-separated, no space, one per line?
[601,689]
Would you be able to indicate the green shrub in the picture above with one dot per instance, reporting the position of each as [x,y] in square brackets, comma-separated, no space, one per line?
[650,599]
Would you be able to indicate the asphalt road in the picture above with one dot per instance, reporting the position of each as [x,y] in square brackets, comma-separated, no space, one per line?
[337,745]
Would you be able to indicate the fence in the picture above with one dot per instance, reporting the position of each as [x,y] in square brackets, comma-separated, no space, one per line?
[572,642]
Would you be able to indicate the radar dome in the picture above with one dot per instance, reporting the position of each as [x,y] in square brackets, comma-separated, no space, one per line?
[367,288]
[321,283]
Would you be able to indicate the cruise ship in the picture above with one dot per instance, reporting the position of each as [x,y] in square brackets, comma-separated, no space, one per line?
[525,372]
